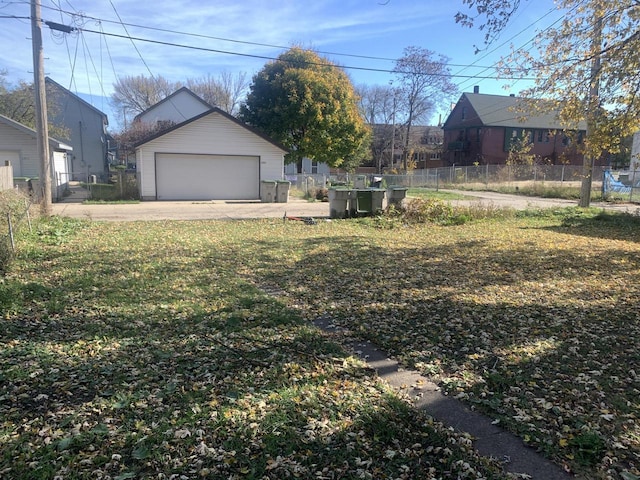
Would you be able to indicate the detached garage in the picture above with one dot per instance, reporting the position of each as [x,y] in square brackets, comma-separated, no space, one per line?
[212,156]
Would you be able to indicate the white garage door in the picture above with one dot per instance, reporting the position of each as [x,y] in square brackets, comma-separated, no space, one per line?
[207,177]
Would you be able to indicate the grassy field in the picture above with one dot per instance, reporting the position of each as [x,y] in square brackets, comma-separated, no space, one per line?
[133,350]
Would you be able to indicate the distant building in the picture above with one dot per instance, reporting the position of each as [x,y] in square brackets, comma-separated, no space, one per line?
[424,149]
[482,128]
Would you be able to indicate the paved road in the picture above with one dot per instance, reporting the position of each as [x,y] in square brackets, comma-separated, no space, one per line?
[236,210]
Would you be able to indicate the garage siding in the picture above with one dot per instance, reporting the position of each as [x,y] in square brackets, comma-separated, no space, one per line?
[12,139]
[212,134]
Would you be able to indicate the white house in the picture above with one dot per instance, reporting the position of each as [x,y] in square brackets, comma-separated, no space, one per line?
[212,156]
[18,145]
[181,105]
[308,167]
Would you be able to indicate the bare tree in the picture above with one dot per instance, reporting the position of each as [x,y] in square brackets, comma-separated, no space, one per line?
[379,106]
[134,95]
[424,81]
[225,91]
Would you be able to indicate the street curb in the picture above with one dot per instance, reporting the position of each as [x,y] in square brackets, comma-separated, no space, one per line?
[488,438]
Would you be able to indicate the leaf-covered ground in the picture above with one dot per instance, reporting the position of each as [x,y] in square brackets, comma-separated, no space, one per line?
[143,350]
[147,350]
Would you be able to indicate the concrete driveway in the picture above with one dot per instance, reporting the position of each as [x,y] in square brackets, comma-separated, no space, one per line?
[237,210]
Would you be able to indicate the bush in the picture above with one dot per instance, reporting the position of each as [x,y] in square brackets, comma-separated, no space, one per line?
[428,210]
[432,210]
[318,193]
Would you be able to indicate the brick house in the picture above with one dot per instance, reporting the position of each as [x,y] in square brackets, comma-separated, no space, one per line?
[482,129]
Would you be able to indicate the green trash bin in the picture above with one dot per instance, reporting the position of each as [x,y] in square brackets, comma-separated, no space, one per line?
[364,202]
[377,197]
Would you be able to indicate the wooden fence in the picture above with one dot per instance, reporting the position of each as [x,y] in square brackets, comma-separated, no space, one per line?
[6,177]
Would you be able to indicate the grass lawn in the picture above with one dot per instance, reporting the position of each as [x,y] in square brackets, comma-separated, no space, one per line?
[131,350]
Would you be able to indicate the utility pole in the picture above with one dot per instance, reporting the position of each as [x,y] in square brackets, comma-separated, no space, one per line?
[593,110]
[42,129]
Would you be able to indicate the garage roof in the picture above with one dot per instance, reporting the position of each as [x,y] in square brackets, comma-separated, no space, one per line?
[204,114]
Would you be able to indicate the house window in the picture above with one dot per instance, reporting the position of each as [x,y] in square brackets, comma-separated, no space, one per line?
[464,113]
[314,167]
[540,135]
[434,156]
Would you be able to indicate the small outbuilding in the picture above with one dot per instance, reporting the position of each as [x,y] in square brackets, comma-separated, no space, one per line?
[212,156]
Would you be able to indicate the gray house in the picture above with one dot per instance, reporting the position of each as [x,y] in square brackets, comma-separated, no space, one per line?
[86,128]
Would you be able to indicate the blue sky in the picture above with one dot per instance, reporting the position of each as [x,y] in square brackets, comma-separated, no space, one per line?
[344,31]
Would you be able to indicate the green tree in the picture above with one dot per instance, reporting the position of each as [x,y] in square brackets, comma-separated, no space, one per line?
[587,65]
[309,105]
[18,104]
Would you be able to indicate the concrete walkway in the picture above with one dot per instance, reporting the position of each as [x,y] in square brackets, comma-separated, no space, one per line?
[488,438]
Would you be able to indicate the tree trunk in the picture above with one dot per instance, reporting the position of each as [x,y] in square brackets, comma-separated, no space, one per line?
[593,109]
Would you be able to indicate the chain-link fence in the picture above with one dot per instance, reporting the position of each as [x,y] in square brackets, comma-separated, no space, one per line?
[15,214]
[483,177]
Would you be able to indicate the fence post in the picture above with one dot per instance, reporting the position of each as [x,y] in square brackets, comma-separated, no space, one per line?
[13,245]
[486,175]
[26,206]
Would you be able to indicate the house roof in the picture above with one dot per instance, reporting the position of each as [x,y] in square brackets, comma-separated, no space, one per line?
[180,91]
[204,114]
[55,144]
[508,111]
[83,102]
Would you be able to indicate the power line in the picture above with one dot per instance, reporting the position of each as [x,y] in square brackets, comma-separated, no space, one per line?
[265,57]
[243,42]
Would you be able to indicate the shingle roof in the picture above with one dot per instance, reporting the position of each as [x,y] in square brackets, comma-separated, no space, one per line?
[505,111]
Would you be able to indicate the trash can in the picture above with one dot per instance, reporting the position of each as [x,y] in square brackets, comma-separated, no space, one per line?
[267,191]
[360,181]
[396,196]
[338,200]
[377,197]
[352,206]
[282,191]
[364,202]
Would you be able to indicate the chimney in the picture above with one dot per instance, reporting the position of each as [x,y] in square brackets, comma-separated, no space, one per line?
[476,89]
